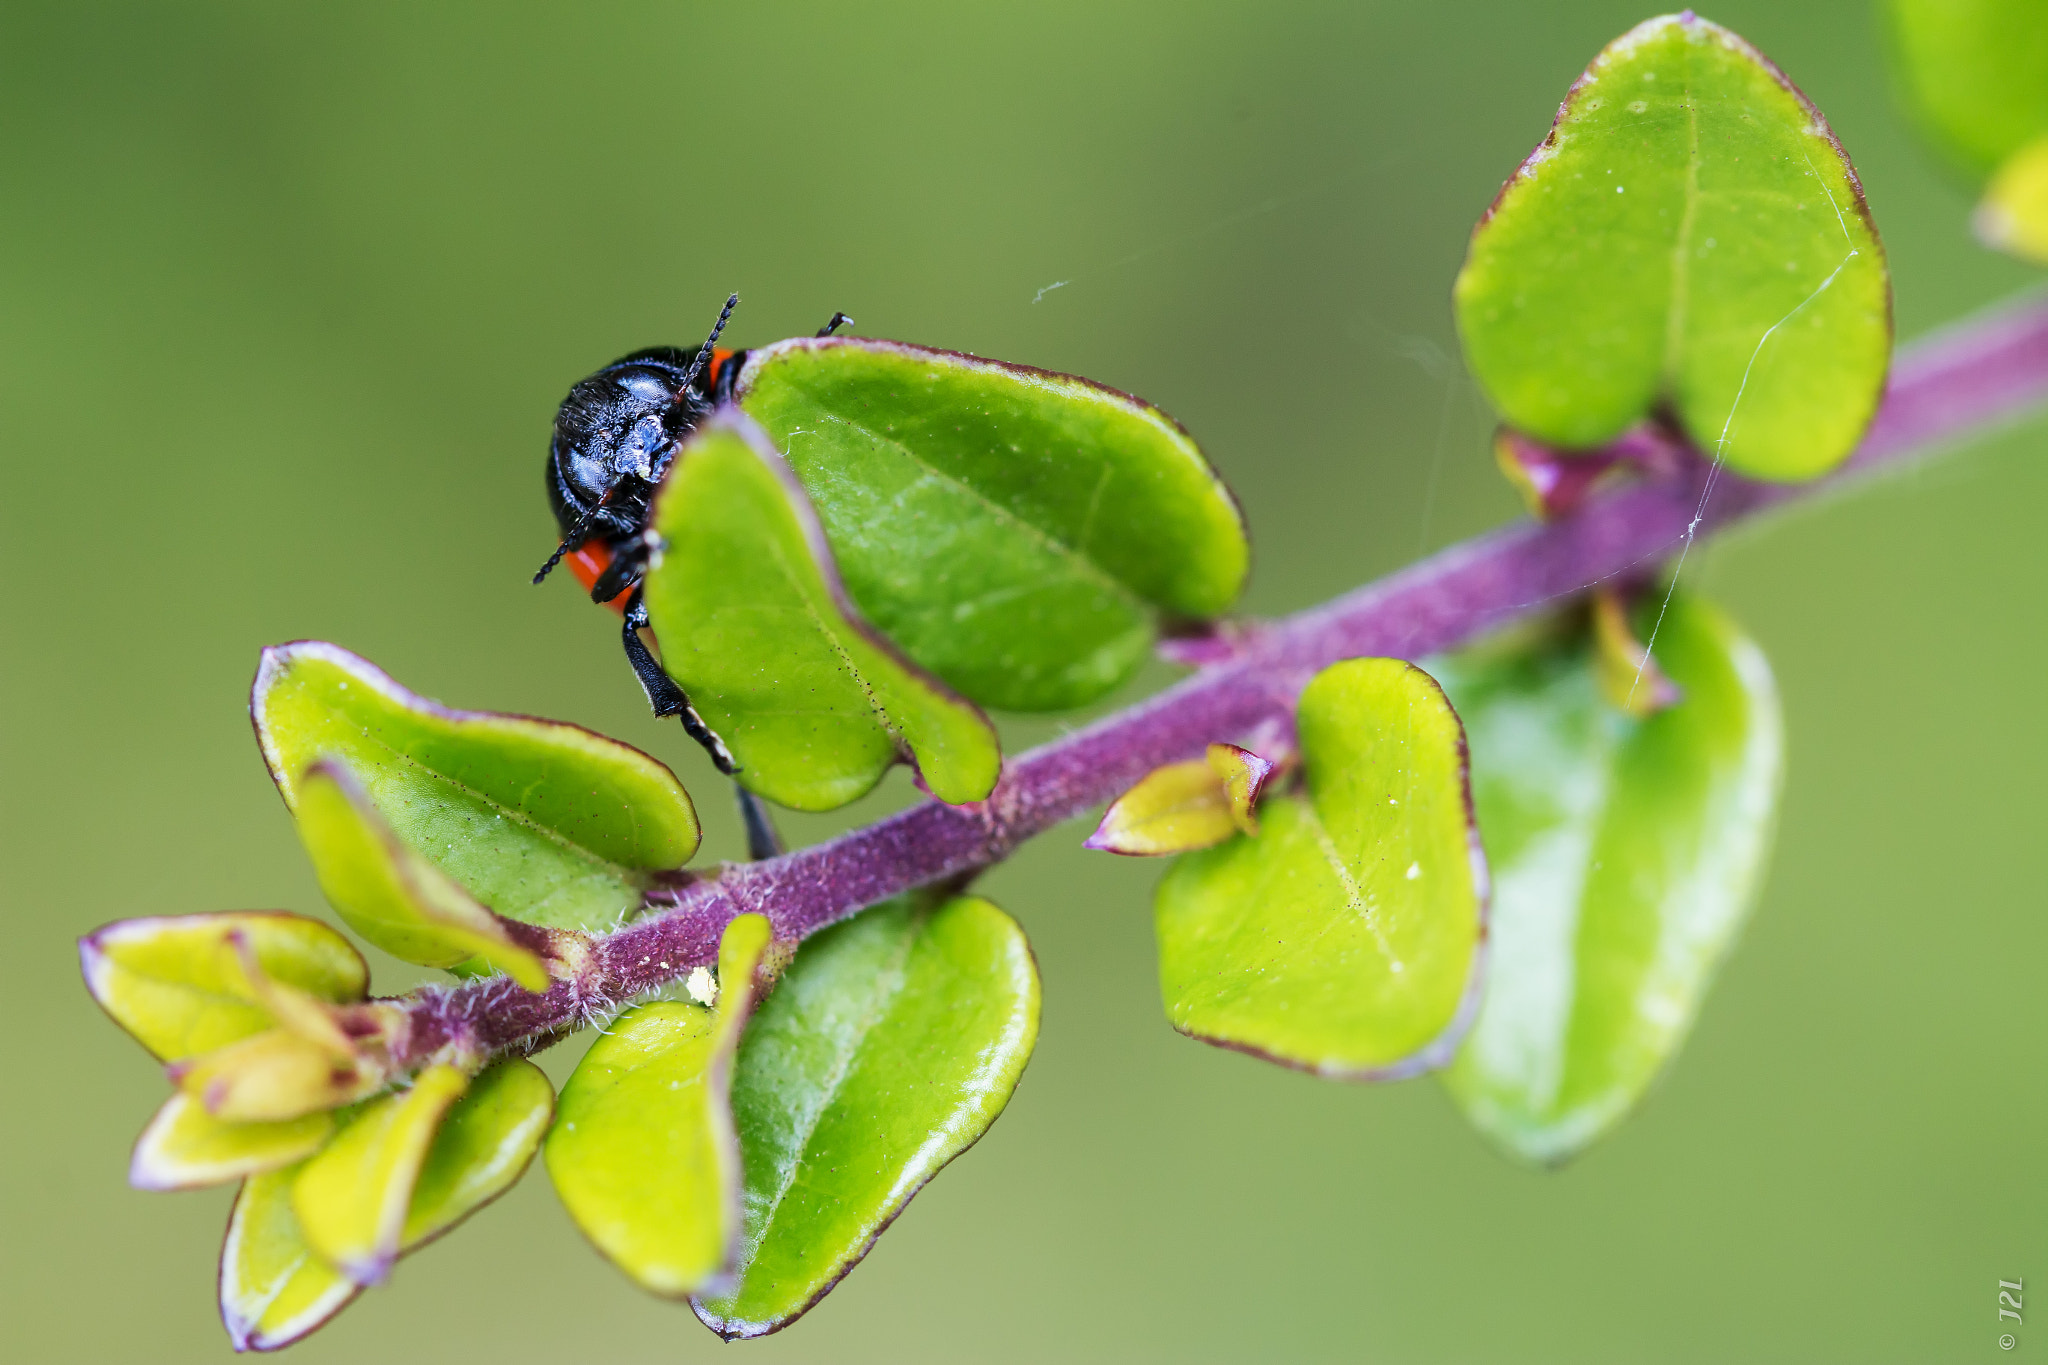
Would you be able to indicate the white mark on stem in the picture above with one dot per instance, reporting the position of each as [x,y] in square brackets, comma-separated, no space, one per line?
[701,987]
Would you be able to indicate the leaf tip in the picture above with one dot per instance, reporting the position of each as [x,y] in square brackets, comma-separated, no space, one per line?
[1629,675]
[1103,840]
[1185,806]
[2013,215]
[1243,774]
[368,1271]
[93,965]
[145,1174]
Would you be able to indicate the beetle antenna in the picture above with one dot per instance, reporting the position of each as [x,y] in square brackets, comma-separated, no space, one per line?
[578,533]
[704,351]
[554,559]
[581,530]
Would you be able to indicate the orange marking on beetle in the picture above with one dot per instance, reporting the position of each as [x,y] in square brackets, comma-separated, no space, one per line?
[589,564]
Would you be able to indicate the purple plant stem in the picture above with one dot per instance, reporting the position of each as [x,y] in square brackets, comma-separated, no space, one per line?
[1958,383]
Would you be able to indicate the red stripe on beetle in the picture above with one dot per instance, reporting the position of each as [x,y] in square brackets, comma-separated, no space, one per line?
[589,564]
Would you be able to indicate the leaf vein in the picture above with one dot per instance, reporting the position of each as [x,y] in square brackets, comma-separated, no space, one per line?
[1073,554]
[842,1067]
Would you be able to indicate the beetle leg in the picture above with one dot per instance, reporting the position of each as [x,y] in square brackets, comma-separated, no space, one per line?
[663,695]
[762,839]
[838,320]
[629,561]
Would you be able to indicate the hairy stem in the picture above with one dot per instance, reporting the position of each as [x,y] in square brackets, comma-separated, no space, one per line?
[1955,384]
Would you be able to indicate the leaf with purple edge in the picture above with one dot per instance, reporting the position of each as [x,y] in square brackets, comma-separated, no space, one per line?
[185,1148]
[273,1076]
[1344,938]
[1243,775]
[1626,852]
[1689,238]
[888,1048]
[643,1152]
[1019,533]
[753,623]
[273,1288]
[321,1055]
[481,1149]
[1185,806]
[394,898]
[539,821]
[352,1200]
[180,985]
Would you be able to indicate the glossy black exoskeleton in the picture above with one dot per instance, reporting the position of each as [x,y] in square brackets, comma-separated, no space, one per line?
[614,438]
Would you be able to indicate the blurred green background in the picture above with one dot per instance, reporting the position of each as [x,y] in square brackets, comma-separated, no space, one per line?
[288,296]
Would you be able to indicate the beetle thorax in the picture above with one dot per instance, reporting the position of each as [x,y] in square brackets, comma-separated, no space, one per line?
[615,434]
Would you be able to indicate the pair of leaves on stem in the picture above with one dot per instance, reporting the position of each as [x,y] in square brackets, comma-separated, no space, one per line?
[304,1239]
[545,823]
[891,1045]
[259,1016]
[1339,930]
[1976,73]
[884,536]
[334,1190]
[1689,243]
[465,840]
[411,813]
[752,1183]
[1624,844]
[749,1171]
[1626,851]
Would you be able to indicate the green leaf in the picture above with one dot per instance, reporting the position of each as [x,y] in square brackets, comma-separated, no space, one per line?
[353,1199]
[1625,852]
[540,821]
[1186,806]
[2013,215]
[1976,71]
[178,985]
[1342,938]
[185,1147]
[273,1076]
[321,1055]
[888,1048]
[481,1149]
[1629,676]
[1690,234]
[643,1153]
[390,895]
[745,600]
[1014,531]
[273,1288]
